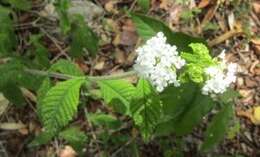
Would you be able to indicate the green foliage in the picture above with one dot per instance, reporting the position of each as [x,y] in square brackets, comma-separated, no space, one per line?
[118,93]
[14,94]
[188,15]
[179,105]
[76,138]
[7,35]
[228,96]
[175,100]
[41,93]
[62,7]
[233,130]
[194,70]
[10,69]
[83,38]
[42,138]
[102,119]
[146,109]
[9,83]
[60,104]
[41,52]
[144,4]
[200,106]
[218,127]
[20,4]
[147,27]
[66,67]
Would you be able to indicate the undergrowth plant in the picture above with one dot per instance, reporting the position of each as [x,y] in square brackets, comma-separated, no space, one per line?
[179,82]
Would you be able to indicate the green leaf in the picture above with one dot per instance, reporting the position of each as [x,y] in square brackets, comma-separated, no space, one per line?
[20,4]
[229,95]
[41,52]
[175,100]
[200,106]
[218,127]
[62,7]
[14,94]
[118,93]
[60,104]
[75,137]
[7,35]
[144,4]
[102,119]
[148,27]
[83,38]
[9,83]
[146,109]
[41,139]
[195,70]
[10,69]
[29,81]
[66,67]
[41,93]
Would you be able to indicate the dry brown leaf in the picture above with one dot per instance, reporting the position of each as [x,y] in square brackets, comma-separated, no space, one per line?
[110,6]
[252,114]
[128,36]
[12,126]
[24,131]
[256,41]
[99,65]
[175,13]
[256,7]
[165,4]
[203,3]
[120,57]
[3,104]
[68,151]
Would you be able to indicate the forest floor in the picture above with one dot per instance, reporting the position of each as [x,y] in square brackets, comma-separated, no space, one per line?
[233,25]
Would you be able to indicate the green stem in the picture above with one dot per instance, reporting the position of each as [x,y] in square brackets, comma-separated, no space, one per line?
[91,78]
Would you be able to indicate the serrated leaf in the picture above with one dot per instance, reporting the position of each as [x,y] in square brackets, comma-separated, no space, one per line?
[82,38]
[218,127]
[200,106]
[41,93]
[75,137]
[60,104]
[20,4]
[66,67]
[102,119]
[41,139]
[146,109]
[148,27]
[118,93]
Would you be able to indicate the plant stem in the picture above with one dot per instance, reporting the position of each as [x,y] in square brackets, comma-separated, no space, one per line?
[91,78]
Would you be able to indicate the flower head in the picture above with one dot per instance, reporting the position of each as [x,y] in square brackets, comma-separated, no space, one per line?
[220,77]
[158,61]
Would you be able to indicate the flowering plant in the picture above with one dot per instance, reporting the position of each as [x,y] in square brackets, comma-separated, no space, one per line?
[179,83]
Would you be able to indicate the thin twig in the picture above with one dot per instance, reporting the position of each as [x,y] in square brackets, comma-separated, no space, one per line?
[224,37]
[91,78]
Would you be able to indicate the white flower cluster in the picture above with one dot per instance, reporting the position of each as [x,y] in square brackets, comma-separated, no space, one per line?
[220,77]
[158,61]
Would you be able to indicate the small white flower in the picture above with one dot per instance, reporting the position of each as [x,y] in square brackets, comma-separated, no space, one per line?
[158,61]
[220,76]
